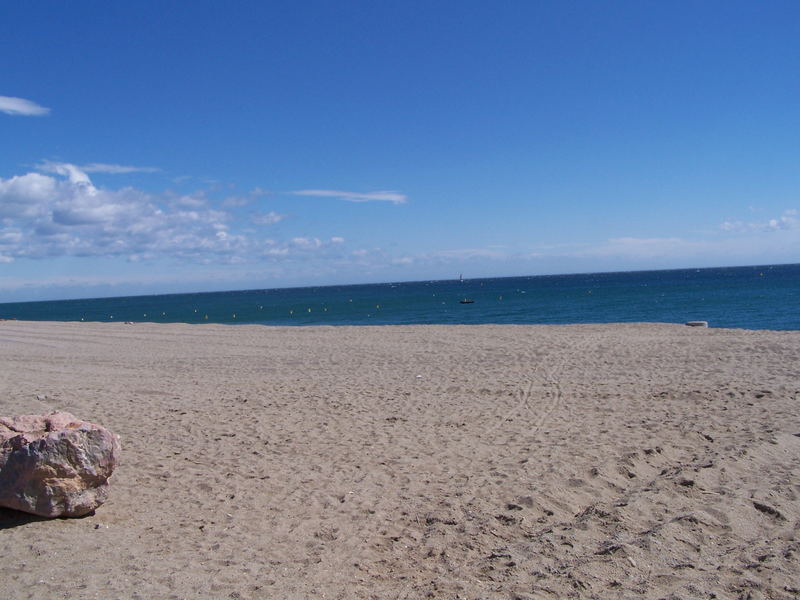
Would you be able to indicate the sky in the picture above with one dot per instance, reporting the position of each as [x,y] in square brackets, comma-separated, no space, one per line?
[159,147]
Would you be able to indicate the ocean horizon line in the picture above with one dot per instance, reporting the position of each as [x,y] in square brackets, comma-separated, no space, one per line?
[401,282]
[749,297]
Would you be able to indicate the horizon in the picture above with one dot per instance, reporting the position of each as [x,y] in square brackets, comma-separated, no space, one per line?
[274,146]
[398,282]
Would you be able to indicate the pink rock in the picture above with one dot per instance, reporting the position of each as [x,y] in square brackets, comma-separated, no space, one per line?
[55,465]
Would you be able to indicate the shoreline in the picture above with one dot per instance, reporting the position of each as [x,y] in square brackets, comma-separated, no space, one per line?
[412,461]
[622,324]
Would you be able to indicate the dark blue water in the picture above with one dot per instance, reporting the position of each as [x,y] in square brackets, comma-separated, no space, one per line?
[766,297]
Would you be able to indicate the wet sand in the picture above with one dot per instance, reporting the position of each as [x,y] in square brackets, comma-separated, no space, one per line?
[588,461]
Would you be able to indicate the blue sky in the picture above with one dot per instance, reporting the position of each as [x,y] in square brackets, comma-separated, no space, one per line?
[188,146]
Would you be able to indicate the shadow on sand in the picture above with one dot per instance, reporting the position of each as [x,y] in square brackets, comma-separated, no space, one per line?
[14,518]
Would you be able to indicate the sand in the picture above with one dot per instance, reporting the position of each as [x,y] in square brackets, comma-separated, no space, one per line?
[588,461]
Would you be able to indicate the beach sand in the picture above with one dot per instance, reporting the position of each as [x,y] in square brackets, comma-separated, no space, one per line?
[589,461]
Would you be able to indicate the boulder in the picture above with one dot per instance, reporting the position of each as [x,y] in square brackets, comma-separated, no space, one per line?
[55,465]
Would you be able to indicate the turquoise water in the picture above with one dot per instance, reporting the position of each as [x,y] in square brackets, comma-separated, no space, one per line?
[765,297]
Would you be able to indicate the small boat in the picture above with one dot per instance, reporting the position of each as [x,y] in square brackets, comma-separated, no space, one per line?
[467,301]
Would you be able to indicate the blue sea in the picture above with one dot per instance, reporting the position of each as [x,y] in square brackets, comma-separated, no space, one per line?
[763,297]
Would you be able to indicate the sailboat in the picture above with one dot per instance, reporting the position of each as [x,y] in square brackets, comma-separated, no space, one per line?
[465,300]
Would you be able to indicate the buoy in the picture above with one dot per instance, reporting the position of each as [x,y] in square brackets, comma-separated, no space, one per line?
[309,310]
[234,315]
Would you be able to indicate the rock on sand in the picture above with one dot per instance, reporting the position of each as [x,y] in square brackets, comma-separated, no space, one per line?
[55,465]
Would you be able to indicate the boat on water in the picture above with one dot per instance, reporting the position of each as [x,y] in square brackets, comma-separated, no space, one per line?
[466,301]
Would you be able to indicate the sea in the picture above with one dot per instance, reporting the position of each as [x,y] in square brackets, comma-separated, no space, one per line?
[753,297]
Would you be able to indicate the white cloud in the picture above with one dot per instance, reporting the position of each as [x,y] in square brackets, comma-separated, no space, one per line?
[22,196]
[45,216]
[75,174]
[269,218]
[59,168]
[787,221]
[304,243]
[117,169]
[65,214]
[190,201]
[21,107]
[379,196]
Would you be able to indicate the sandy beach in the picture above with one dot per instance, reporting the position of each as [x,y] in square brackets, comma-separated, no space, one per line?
[588,461]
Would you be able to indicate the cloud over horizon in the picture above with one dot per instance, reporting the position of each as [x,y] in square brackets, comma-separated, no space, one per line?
[58,211]
[787,221]
[21,107]
[65,214]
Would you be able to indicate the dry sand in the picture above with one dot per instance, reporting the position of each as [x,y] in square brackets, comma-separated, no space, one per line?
[607,461]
